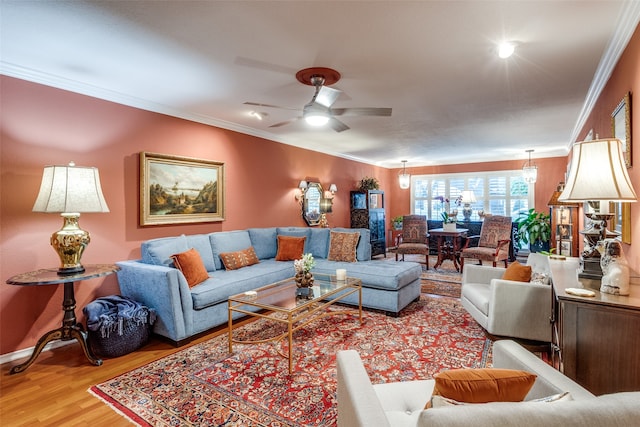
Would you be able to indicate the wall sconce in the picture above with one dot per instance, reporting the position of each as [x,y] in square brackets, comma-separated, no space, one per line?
[333,189]
[530,171]
[302,186]
[69,191]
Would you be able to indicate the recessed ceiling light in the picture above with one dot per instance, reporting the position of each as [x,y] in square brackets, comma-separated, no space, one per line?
[506,49]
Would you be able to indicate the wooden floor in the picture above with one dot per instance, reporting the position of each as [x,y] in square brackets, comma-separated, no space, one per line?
[53,390]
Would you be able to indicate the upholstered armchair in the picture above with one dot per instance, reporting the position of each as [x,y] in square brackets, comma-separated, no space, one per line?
[414,237]
[510,308]
[493,245]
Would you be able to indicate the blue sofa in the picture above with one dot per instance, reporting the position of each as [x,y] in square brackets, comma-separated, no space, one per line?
[184,312]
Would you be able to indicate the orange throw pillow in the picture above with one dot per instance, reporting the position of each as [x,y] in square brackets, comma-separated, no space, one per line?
[484,385]
[239,259]
[517,272]
[290,248]
[191,265]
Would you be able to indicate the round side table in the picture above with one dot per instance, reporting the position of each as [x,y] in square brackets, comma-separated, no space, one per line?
[70,329]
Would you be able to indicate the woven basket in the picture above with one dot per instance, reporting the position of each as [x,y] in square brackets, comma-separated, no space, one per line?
[134,335]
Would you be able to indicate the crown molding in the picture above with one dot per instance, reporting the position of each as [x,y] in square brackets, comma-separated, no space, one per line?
[628,21]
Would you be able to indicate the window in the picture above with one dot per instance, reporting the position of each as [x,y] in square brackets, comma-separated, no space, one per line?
[499,193]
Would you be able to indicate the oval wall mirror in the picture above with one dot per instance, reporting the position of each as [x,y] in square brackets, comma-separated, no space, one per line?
[311,205]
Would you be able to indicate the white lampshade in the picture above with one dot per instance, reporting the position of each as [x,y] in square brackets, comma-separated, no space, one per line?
[598,172]
[303,185]
[70,189]
[467,196]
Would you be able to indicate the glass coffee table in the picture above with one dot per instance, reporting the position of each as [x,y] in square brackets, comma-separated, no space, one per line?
[280,302]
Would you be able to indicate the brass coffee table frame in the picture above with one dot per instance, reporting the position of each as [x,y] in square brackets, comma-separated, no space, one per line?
[296,313]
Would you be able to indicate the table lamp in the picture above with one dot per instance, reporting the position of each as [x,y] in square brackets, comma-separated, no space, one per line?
[70,190]
[598,173]
[467,197]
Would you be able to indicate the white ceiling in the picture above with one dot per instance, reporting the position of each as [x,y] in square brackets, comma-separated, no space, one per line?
[433,62]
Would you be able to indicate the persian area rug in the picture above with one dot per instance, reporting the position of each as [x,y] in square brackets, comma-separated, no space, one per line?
[204,385]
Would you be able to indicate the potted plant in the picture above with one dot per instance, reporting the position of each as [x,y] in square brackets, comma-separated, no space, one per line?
[368,183]
[397,222]
[534,228]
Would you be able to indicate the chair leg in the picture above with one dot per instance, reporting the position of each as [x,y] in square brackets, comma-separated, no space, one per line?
[396,256]
[427,260]
[494,263]
[461,264]
[505,263]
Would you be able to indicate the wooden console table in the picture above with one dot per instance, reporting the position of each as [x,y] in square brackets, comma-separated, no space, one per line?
[596,340]
[70,329]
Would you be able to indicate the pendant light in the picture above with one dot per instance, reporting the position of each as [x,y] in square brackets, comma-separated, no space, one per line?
[530,171]
[404,179]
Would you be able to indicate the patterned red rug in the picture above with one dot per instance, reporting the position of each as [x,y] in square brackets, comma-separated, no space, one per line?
[204,385]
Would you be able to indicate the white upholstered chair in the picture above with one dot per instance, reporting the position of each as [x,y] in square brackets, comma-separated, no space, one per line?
[508,308]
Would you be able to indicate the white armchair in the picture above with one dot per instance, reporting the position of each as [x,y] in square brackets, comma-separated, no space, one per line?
[508,308]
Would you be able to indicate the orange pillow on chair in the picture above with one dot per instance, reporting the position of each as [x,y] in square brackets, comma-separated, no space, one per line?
[483,385]
[517,272]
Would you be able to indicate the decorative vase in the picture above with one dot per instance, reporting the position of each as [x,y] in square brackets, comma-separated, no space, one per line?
[449,226]
[304,279]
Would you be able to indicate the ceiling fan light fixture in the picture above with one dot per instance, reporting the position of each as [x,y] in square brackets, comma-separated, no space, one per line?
[506,49]
[316,118]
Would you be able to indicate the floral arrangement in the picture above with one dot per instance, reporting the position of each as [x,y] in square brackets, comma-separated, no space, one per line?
[449,217]
[368,183]
[304,264]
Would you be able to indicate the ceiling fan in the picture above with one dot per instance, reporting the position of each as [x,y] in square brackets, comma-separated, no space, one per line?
[319,110]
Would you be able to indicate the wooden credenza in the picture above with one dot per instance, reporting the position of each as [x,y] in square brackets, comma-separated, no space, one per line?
[596,340]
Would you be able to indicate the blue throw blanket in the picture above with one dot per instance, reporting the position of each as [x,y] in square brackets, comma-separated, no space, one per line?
[108,314]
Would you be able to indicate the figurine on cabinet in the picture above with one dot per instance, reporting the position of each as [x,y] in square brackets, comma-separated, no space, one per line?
[615,270]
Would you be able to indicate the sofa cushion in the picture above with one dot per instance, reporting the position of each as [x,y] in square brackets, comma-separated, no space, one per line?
[478,294]
[484,385]
[228,241]
[239,259]
[159,251]
[290,248]
[192,267]
[202,244]
[342,246]
[264,242]
[390,276]
[517,272]
[318,243]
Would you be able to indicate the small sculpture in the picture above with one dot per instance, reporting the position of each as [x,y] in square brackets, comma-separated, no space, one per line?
[615,270]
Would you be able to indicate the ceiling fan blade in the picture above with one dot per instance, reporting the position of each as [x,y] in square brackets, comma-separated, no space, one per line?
[337,125]
[362,111]
[286,122]
[327,96]
[257,104]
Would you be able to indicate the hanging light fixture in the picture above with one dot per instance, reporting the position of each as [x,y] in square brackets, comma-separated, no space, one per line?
[404,179]
[530,171]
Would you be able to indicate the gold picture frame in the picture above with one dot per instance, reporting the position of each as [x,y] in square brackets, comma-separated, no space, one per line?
[621,221]
[180,190]
[621,126]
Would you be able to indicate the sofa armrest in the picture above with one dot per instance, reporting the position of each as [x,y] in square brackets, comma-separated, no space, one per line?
[520,309]
[508,354]
[162,288]
[481,274]
[358,403]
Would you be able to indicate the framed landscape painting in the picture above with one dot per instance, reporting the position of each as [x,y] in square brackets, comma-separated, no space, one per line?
[175,190]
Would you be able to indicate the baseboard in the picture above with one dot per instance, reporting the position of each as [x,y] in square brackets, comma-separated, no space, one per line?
[26,352]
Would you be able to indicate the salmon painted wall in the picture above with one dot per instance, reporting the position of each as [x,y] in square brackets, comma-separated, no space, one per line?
[625,78]
[42,125]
